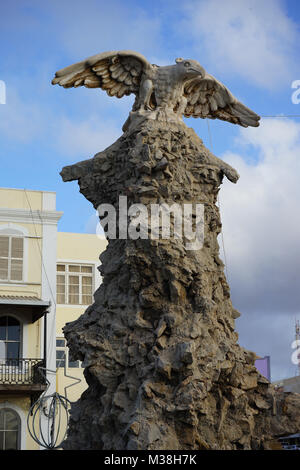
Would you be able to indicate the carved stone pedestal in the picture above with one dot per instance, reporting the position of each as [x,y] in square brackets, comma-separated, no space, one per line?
[162,361]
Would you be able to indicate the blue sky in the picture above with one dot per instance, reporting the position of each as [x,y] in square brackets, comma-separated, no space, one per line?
[252,47]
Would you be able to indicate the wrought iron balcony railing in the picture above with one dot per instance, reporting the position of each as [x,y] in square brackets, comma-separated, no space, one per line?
[21,371]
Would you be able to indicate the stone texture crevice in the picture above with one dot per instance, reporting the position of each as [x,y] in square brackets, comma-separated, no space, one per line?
[161,354]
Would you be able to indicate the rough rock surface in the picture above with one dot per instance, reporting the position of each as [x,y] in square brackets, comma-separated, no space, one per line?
[162,362]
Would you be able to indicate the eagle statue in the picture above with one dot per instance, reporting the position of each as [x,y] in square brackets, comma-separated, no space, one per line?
[162,92]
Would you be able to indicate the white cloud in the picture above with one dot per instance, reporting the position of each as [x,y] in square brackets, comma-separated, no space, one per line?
[260,214]
[270,337]
[26,121]
[85,138]
[20,120]
[251,38]
[261,227]
[92,27]
[93,225]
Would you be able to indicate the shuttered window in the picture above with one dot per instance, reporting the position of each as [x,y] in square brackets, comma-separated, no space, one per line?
[74,284]
[11,258]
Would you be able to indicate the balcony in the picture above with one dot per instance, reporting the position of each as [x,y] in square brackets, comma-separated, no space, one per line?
[22,376]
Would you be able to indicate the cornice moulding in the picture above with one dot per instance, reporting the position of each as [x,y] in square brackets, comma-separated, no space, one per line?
[26,216]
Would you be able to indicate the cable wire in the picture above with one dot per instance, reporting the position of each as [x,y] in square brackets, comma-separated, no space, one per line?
[50,346]
[280,115]
[219,205]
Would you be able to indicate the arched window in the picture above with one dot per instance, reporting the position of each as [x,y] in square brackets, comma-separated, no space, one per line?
[10,429]
[10,338]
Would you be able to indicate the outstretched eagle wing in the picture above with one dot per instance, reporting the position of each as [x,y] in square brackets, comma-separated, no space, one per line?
[209,98]
[119,73]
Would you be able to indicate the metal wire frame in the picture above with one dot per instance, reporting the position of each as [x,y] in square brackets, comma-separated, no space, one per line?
[58,404]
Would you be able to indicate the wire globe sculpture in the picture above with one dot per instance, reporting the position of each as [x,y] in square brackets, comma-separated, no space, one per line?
[55,408]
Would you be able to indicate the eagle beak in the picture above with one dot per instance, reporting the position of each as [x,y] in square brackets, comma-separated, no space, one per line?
[200,72]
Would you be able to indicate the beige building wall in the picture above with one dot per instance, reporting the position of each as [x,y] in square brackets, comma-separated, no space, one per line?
[17,207]
[33,216]
[77,249]
[21,405]
[12,198]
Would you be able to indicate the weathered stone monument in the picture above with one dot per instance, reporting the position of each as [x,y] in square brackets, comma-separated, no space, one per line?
[162,362]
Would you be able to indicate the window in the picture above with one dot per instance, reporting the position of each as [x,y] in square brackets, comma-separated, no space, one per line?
[60,358]
[74,284]
[11,258]
[62,355]
[10,335]
[10,425]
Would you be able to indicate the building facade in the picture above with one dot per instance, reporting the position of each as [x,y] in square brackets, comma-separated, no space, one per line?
[77,279]
[28,230]
[290,385]
[47,279]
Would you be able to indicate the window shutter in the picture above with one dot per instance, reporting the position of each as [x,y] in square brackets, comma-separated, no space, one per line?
[11,258]
[73,289]
[86,290]
[60,289]
[17,247]
[4,247]
[16,266]
[3,269]
[16,270]
[4,254]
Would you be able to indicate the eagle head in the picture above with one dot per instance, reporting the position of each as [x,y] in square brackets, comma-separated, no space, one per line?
[189,68]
